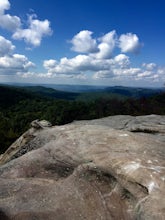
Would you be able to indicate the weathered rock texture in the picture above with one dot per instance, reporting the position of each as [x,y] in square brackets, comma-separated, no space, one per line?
[21,143]
[88,170]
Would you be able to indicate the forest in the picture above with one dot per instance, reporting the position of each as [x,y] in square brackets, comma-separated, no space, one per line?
[20,106]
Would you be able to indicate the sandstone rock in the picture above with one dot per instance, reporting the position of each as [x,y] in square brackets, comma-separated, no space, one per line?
[87,170]
[40,124]
[21,142]
[151,125]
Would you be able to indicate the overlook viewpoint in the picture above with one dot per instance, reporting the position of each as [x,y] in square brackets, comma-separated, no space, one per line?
[109,168]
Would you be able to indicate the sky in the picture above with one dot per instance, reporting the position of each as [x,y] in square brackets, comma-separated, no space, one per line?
[88,42]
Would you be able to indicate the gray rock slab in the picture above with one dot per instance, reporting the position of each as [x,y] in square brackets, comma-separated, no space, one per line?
[87,170]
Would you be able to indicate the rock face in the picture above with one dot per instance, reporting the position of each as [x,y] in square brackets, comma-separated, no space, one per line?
[21,143]
[88,170]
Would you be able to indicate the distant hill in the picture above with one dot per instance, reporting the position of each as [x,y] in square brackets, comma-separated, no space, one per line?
[87,92]
[10,95]
[51,93]
[92,96]
[75,88]
[133,91]
[118,92]
[97,88]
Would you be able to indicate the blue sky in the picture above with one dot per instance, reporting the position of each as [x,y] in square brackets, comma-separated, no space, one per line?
[97,42]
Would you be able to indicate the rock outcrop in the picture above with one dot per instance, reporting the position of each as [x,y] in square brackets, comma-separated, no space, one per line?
[21,142]
[100,169]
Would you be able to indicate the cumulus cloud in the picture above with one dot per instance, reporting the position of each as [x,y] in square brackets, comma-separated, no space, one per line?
[84,43]
[8,22]
[103,47]
[151,71]
[100,48]
[68,67]
[35,32]
[11,63]
[15,64]
[129,43]
[48,64]
[149,66]
[106,45]
[5,5]
[6,47]
[99,61]
[117,67]
[122,61]
[82,64]
[103,74]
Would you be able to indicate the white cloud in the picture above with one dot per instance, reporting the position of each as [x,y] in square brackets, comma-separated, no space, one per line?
[14,64]
[77,65]
[49,64]
[129,43]
[117,67]
[6,47]
[99,63]
[68,67]
[152,72]
[7,21]
[144,74]
[103,74]
[149,66]
[122,61]
[35,32]
[103,47]
[5,5]
[161,71]
[107,45]
[11,63]
[100,48]
[82,64]
[84,43]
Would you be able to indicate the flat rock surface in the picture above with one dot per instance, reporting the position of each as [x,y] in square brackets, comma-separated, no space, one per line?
[88,170]
[153,125]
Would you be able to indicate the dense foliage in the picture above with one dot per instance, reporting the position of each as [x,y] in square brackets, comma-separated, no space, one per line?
[18,107]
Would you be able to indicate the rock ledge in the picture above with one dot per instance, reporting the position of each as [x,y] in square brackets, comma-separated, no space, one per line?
[110,168]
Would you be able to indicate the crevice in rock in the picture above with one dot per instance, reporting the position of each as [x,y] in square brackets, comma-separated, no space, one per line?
[59,170]
[144,130]
[116,199]
[3,216]
[138,190]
